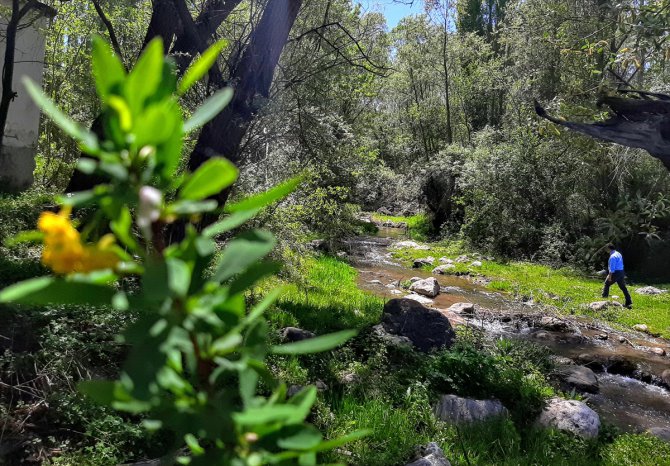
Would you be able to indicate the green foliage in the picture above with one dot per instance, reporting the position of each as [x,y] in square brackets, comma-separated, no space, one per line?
[638,450]
[196,356]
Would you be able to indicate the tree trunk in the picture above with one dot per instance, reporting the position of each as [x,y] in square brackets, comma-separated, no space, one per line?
[253,77]
[447,107]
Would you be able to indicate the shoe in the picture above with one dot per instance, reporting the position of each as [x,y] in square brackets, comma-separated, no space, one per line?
[628,306]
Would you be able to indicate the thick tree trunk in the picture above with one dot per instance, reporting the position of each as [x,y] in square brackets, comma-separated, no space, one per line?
[252,76]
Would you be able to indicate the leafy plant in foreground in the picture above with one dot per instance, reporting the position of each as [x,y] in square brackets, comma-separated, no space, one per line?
[196,355]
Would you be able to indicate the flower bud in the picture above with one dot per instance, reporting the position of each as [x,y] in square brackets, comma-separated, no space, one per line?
[151,200]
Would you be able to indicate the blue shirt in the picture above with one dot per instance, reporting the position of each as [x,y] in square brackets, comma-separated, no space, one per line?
[616,262]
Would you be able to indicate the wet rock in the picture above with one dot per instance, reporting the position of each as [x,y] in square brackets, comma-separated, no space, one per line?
[603,305]
[641,328]
[554,324]
[580,377]
[650,291]
[592,361]
[462,308]
[571,416]
[658,351]
[444,260]
[430,455]
[451,289]
[428,287]
[420,262]
[476,264]
[390,286]
[396,292]
[443,269]
[375,282]
[427,329]
[617,364]
[481,281]
[665,377]
[561,360]
[389,339]
[660,432]
[414,279]
[457,410]
[291,334]
[420,299]
[541,335]
[601,336]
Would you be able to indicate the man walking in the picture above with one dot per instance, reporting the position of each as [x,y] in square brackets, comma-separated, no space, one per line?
[616,274]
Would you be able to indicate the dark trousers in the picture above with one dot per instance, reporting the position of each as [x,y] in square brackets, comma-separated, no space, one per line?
[618,278]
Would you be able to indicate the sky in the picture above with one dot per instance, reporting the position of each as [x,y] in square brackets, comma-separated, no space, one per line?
[393,10]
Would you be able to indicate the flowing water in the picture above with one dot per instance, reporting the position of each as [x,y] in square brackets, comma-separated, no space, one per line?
[634,403]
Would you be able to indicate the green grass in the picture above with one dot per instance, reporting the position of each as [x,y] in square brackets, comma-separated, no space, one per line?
[418,226]
[328,299]
[568,289]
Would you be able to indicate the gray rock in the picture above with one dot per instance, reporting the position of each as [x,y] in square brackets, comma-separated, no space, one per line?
[420,299]
[390,286]
[420,262]
[603,305]
[443,269]
[561,360]
[291,334]
[375,282]
[462,259]
[641,328]
[318,244]
[476,263]
[650,290]
[457,410]
[580,377]
[617,364]
[428,287]
[462,308]
[554,324]
[660,432]
[405,245]
[571,416]
[414,279]
[396,292]
[658,351]
[444,260]
[389,339]
[427,329]
[431,455]
[451,289]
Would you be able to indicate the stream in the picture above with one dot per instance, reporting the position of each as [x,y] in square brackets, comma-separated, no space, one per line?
[631,395]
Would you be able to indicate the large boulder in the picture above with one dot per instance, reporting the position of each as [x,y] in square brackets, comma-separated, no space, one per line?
[427,287]
[462,308]
[665,377]
[431,455]
[580,377]
[571,416]
[554,324]
[620,365]
[421,261]
[457,410]
[443,269]
[427,329]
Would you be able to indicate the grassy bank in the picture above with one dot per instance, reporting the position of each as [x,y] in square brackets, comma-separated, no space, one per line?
[391,391]
[418,226]
[567,289]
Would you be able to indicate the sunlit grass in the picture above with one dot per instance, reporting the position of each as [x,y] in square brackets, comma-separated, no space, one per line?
[418,226]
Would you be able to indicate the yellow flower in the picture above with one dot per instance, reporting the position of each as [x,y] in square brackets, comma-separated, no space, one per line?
[63,250]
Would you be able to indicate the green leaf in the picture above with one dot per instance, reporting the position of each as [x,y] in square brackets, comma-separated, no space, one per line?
[209,109]
[242,252]
[32,236]
[191,207]
[122,112]
[121,226]
[145,78]
[226,344]
[300,438]
[264,415]
[252,275]
[201,66]
[316,344]
[266,198]
[100,391]
[302,403]
[194,445]
[229,223]
[107,68]
[86,138]
[179,276]
[210,178]
[338,442]
[261,307]
[50,290]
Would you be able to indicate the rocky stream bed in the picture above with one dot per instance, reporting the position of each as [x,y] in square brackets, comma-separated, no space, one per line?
[623,375]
